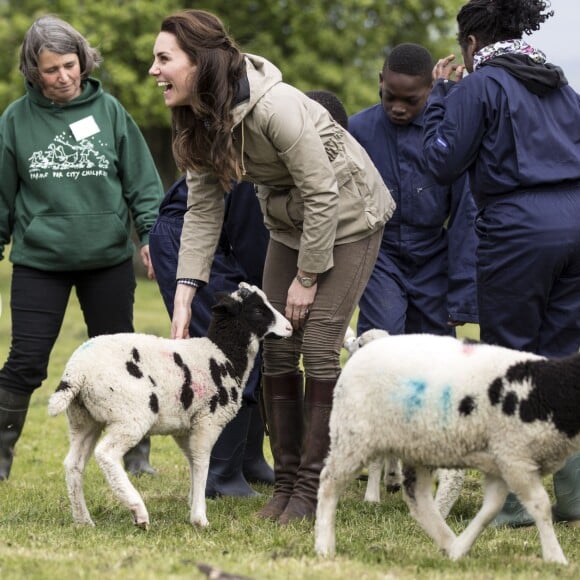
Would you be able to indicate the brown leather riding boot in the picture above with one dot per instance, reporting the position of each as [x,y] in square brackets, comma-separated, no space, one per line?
[283,398]
[317,406]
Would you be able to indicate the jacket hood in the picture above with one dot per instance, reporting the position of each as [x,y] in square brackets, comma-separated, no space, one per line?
[261,76]
[91,89]
[540,79]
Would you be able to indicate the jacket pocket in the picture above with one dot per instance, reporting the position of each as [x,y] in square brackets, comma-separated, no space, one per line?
[282,207]
[429,204]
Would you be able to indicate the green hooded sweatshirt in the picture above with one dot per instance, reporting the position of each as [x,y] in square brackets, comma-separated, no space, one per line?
[72,176]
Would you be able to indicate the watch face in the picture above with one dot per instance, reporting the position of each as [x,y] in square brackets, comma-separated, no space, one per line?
[306,281]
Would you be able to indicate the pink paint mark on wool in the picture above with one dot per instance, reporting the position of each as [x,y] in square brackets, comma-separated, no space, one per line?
[200,381]
[468,348]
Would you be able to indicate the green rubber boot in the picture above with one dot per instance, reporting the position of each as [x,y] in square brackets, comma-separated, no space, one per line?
[513,514]
[567,491]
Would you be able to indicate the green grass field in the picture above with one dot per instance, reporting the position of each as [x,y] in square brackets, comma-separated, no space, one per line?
[38,539]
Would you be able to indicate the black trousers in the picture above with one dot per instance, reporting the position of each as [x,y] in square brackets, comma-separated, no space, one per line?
[38,305]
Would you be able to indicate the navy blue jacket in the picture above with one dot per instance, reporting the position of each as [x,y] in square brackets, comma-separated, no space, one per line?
[432,226]
[508,139]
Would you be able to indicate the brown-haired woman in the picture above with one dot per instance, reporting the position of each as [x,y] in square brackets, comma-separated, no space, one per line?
[324,204]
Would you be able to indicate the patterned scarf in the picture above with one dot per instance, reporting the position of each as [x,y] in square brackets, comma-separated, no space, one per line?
[514,46]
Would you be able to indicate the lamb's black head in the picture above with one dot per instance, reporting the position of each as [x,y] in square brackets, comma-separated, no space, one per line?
[251,307]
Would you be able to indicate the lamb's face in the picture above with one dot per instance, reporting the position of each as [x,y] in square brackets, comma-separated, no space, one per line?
[352,343]
[261,316]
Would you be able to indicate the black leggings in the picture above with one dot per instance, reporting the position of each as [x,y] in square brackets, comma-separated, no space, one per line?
[38,304]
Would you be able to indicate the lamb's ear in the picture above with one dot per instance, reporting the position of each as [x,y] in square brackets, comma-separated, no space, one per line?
[220,295]
[227,305]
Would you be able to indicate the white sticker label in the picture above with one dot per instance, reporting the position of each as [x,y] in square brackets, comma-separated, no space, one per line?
[84,128]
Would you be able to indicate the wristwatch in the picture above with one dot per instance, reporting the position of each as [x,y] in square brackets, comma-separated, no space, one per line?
[306,281]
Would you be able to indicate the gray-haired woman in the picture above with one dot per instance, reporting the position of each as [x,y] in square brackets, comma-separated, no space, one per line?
[76,172]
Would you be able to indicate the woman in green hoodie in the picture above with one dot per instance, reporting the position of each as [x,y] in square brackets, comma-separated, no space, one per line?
[76,171]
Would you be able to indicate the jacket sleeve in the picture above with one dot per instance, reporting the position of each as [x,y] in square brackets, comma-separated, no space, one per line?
[142,187]
[462,246]
[202,226]
[453,130]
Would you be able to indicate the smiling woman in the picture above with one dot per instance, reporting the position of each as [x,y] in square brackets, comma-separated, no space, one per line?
[324,204]
[173,70]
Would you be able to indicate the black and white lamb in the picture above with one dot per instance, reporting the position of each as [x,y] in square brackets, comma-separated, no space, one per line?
[438,402]
[133,385]
[449,481]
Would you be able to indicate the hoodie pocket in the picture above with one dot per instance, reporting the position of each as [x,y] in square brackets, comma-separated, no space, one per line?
[76,241]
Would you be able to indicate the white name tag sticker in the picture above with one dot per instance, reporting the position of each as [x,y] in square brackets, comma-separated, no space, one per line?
[84,128]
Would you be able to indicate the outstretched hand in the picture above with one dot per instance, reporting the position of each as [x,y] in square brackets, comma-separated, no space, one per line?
[445,69]
[184,294]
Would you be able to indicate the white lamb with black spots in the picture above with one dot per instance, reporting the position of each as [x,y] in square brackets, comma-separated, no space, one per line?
[438,402]
[133,385]
[450,481]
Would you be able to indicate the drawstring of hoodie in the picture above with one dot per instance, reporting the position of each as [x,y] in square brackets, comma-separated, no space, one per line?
[243,165]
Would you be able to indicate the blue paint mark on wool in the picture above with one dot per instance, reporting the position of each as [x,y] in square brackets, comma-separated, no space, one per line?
[413,398]
[445,403]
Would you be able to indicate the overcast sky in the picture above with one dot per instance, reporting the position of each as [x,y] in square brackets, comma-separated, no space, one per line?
[558,38]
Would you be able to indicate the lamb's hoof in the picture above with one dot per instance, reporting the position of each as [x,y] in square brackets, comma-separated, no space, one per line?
[142,525]
[323,552]
[200,522]
[88,523]
[455,552]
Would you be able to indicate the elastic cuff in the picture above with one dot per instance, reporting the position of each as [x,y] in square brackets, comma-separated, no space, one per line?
[191,282]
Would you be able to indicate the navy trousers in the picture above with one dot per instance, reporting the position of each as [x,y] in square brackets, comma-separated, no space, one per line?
[529,272]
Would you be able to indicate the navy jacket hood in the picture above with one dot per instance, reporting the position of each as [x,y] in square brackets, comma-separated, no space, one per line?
[538,78]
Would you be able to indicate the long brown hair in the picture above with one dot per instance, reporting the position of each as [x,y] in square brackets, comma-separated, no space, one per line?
[202,130]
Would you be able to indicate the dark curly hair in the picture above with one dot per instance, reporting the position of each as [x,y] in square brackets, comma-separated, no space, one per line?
[410,59]
[494,20]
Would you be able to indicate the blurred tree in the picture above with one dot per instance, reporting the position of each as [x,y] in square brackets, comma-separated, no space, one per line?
[338,45]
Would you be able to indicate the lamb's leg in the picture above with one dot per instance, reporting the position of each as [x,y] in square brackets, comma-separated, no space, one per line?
[109,455]
[448,489]
[535,499]
[393,476]
[335,476]
[418,495]
[83,433]
[373,490]
[198,450]
[184,445]
[495,492]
